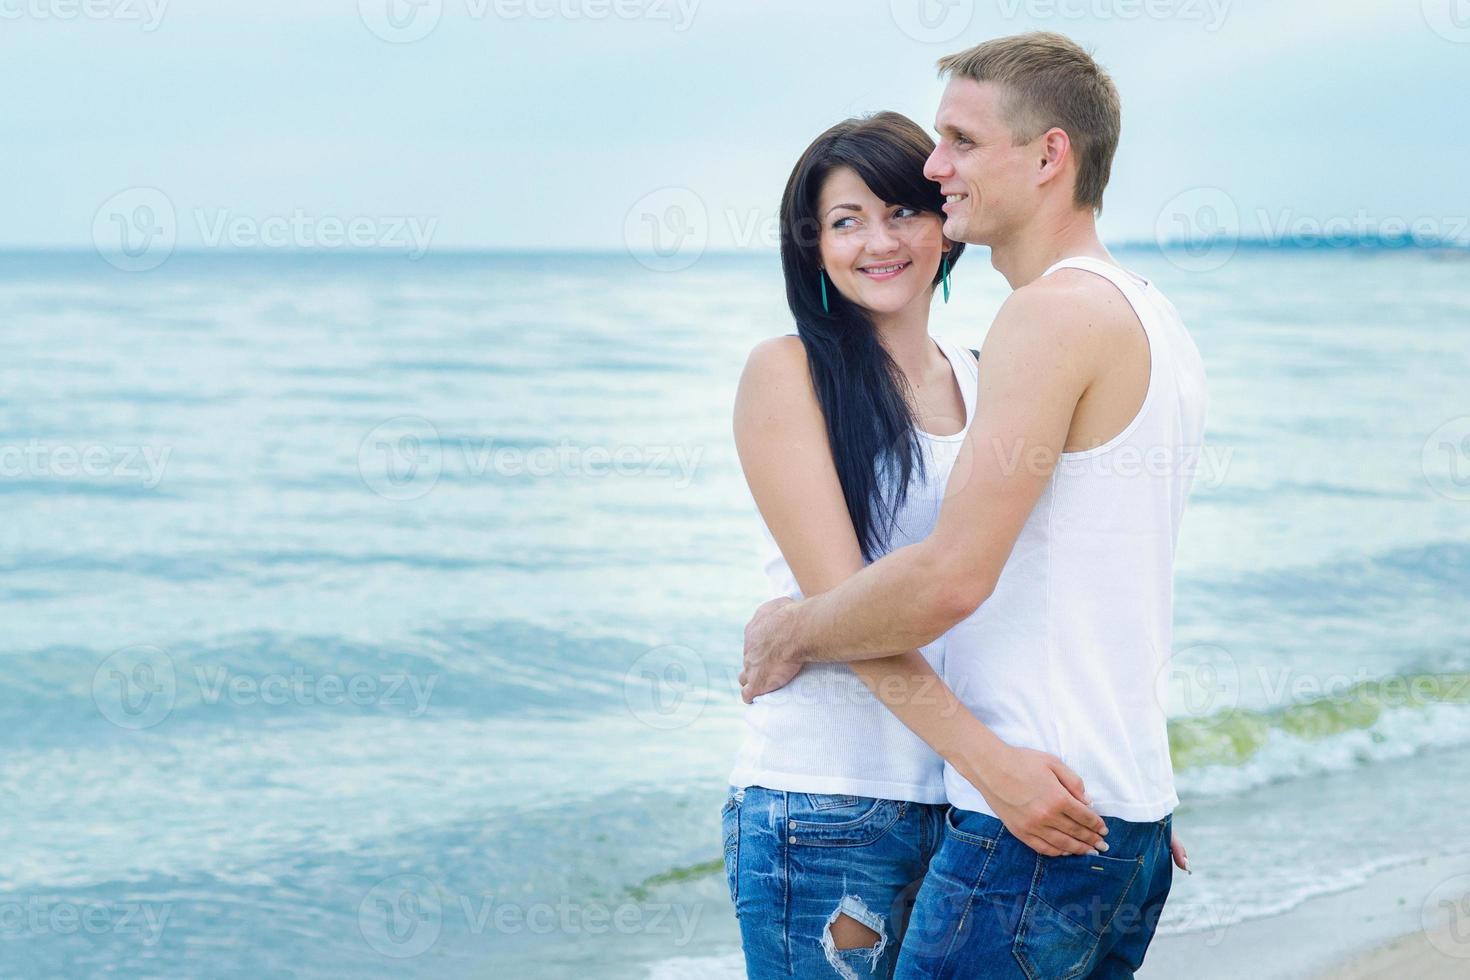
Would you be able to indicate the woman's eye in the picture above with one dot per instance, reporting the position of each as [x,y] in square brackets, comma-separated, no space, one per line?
[843,223]
[906,213]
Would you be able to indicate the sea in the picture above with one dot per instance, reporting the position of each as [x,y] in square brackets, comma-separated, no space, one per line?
[368,616]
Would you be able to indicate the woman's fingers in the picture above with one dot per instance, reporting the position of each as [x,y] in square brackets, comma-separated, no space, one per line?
[1079,826]
[1089,818]
[1180,855]
[1064,844]
[1040,846]
[1070,781]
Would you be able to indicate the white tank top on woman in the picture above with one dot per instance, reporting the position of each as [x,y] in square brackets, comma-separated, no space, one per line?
[1066,653]
[825,732]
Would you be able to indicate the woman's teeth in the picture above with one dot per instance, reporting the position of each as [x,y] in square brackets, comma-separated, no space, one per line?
[884,270]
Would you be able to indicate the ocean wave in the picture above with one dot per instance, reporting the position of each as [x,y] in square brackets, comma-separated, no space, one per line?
[1235,750]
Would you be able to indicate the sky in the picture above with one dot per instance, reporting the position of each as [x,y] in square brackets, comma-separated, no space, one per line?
[593,124]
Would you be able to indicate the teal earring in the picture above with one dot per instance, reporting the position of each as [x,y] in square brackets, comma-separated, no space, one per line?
[944,264]
[823,276]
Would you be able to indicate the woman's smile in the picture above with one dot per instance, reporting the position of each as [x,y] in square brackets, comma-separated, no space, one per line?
[885,271]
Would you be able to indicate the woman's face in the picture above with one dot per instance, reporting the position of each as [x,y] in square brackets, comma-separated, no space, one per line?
[880,256]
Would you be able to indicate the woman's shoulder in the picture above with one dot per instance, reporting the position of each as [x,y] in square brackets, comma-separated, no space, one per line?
[776,383]
[775,359]
[969,355]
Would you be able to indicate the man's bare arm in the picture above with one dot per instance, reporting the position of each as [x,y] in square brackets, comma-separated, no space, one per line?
[1038,360]
[782,442]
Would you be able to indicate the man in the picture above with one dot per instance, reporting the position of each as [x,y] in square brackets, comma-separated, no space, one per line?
[1052,559]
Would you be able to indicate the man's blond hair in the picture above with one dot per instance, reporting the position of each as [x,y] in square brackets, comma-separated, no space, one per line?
[1049,81]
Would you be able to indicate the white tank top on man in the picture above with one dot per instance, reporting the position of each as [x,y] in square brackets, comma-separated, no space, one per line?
[1065,654]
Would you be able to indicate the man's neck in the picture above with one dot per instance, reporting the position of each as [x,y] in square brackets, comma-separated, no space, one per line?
[1048,239]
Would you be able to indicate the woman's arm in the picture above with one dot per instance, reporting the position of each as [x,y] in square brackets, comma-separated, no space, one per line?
[781,437]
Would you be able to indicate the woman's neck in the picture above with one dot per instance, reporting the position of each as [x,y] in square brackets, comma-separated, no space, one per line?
[905,335]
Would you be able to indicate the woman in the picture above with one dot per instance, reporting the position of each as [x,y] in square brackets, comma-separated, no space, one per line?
[847,434]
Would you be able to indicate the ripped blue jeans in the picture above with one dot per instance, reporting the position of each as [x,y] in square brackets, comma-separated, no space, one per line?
[796,862]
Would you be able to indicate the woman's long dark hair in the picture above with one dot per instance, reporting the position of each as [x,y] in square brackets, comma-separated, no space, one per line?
[862,391]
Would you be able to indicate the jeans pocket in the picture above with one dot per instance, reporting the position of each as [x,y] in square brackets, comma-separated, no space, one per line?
[983,829]
[1073,900]
[832,801]
[840,821]
[730,828]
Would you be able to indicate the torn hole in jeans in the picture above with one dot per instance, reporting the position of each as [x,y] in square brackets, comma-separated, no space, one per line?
[856,911]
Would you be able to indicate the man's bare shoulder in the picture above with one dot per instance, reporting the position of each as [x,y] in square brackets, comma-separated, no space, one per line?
[1073,306]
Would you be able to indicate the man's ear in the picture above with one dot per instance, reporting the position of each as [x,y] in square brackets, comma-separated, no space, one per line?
[1053,148]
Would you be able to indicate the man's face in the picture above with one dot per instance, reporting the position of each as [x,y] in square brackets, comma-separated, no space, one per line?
[990,182]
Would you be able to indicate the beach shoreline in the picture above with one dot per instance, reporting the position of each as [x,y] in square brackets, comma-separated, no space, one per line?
[1411,920]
